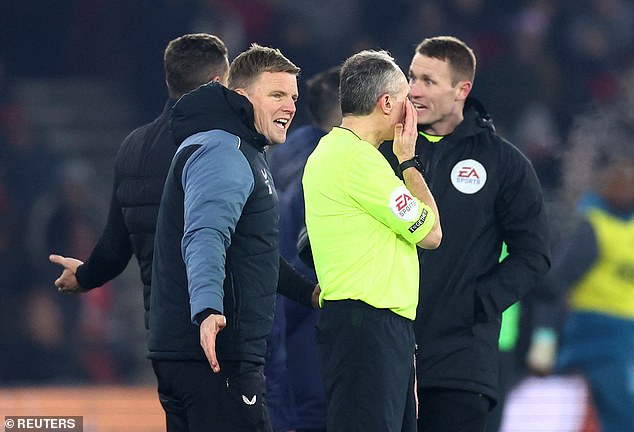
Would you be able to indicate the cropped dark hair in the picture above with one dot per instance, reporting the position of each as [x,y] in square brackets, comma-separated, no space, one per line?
[247,66]
[193,60]
[460,57]
[323,94]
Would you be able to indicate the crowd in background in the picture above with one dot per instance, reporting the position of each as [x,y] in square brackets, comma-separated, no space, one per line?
[541,64]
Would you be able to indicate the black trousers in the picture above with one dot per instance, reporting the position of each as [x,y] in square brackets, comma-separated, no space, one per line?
[444,410]
[196,399]
[367,357]
[510,376]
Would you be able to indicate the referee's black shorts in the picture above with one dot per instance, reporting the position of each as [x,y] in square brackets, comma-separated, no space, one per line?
[367,358]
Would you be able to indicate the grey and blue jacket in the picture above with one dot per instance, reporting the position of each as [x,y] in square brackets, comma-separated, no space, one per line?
[216,244]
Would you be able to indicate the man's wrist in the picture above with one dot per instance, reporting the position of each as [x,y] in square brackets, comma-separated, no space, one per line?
[203,315]
[409,163]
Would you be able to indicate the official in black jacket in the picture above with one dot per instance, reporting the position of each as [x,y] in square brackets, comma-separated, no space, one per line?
[487,193]
[139,174]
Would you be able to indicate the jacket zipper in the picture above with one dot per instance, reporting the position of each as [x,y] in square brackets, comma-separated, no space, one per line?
[234,297]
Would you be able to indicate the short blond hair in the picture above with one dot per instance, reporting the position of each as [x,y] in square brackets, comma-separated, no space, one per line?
[247,66]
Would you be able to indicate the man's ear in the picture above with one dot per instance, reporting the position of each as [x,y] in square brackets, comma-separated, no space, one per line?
[385,103]
[222,79]
[463,90]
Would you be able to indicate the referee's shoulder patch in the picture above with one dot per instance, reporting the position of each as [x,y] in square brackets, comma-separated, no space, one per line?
[403,204]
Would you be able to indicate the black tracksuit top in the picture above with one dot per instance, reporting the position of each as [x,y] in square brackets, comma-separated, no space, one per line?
[140,169]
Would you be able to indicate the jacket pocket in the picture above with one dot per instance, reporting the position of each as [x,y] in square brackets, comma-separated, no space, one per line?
[245,394]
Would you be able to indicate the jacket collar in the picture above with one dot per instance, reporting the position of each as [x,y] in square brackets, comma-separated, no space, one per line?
[213,106]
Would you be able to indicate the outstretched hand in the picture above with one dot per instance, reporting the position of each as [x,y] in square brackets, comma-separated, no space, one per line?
[67,282]
[209,329]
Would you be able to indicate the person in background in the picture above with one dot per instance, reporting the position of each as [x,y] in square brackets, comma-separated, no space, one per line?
[488,193]
[594,272]
[294,326]
[216,259]
[597,268]
[139,174]
[364,224]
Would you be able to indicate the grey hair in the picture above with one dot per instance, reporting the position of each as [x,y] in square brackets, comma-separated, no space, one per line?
[365,76]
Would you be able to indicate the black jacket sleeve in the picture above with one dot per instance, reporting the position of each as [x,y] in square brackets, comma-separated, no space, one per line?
[111,253]
[294,285]
[578,256]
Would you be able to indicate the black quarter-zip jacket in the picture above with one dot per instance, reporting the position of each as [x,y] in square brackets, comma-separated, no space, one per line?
[487,193]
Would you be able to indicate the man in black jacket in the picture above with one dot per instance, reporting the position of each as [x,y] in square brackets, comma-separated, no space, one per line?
[487,193]
[140,169]
[216,254]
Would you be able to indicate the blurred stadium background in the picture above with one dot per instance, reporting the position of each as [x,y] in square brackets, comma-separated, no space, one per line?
[77,75]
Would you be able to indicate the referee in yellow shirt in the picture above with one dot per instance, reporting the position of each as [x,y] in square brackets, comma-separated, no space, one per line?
[364,224]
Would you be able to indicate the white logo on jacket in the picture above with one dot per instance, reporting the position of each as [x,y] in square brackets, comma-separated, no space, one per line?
[468,176]
[267,180]
[248,401]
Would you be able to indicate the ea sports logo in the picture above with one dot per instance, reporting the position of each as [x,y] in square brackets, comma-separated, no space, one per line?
[403,204]
[468,176]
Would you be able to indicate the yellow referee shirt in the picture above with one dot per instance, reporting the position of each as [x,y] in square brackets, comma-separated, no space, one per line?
[363,225]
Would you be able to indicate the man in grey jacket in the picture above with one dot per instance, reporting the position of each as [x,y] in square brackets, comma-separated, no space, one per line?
[216,255]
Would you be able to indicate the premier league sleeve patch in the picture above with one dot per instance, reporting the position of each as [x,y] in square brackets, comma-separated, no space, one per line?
[403,204]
